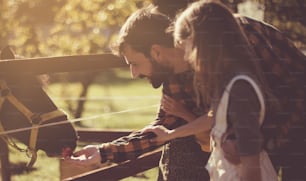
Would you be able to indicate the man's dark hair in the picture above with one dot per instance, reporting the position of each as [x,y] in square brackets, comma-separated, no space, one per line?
[171,7]
[143,29]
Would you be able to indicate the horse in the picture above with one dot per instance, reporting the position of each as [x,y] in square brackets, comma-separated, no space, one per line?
[28,115]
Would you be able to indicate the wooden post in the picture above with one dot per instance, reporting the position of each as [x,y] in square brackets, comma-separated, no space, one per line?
[5,164]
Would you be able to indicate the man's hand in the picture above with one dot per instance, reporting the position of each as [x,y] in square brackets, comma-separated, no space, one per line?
[176,108]
[87,157]
[230,151]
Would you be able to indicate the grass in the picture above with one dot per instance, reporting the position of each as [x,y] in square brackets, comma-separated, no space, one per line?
[114,97]
[111,97]
[45,168]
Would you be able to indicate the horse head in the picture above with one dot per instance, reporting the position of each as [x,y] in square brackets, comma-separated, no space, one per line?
[30,116]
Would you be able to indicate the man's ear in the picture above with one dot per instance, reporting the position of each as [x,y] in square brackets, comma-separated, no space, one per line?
[155,52]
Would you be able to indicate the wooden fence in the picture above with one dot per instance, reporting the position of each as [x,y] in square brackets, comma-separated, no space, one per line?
[71,63]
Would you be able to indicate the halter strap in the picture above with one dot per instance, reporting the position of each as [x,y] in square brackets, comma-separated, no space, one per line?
[35,119]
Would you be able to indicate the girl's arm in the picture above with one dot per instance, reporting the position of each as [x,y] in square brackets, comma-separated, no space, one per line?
[199,125]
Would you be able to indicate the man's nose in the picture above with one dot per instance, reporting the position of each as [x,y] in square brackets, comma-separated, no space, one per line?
[134,72]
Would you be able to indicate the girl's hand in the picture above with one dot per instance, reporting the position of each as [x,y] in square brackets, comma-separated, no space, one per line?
[162,134]
[230,151]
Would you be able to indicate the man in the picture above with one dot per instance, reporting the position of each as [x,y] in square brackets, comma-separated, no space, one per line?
[149,51]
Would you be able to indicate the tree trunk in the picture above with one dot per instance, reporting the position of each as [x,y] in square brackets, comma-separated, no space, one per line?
[81,103]
[5,164]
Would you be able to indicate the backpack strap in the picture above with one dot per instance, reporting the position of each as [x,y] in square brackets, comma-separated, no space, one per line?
[221,113]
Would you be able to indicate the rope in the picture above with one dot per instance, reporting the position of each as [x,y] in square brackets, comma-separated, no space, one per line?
[76,120]
[101,98]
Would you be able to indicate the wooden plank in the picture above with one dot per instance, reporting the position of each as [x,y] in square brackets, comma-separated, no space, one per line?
[120,171]
[90,135]
[61,64]
[100,135]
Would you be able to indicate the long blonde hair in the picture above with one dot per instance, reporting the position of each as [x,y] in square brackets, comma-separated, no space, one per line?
[220,48]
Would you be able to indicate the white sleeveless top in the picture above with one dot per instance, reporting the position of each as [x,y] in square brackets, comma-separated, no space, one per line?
[218,167]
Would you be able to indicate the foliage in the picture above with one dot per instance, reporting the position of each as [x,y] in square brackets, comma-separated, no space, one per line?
[288,16]
[62,27]
[232,4]
[24,21]
[89,26]
[5,23]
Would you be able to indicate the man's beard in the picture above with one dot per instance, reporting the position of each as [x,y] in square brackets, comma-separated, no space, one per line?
[160,73]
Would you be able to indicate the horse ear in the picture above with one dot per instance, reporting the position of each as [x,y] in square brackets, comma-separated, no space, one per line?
[7,53]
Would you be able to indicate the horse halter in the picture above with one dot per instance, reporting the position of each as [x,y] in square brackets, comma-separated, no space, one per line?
[35,120]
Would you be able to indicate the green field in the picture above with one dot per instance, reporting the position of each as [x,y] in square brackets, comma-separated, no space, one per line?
[118,104]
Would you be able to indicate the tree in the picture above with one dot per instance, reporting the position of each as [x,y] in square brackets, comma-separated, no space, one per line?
[288,16]
[47,28]
[232,4]
[4,20]
[89,27]
[22,22]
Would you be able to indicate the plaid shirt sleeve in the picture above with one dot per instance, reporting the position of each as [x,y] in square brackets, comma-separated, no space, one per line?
[127,148]
[179,87]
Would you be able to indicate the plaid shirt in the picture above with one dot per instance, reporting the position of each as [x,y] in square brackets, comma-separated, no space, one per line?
[284,68]
[179,87]
[283,64]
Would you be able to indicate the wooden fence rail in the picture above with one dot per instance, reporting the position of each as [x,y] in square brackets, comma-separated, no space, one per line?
[71,63]
[120,171]
[114,171]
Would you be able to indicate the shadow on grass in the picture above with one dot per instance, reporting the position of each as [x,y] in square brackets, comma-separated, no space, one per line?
[20,168]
